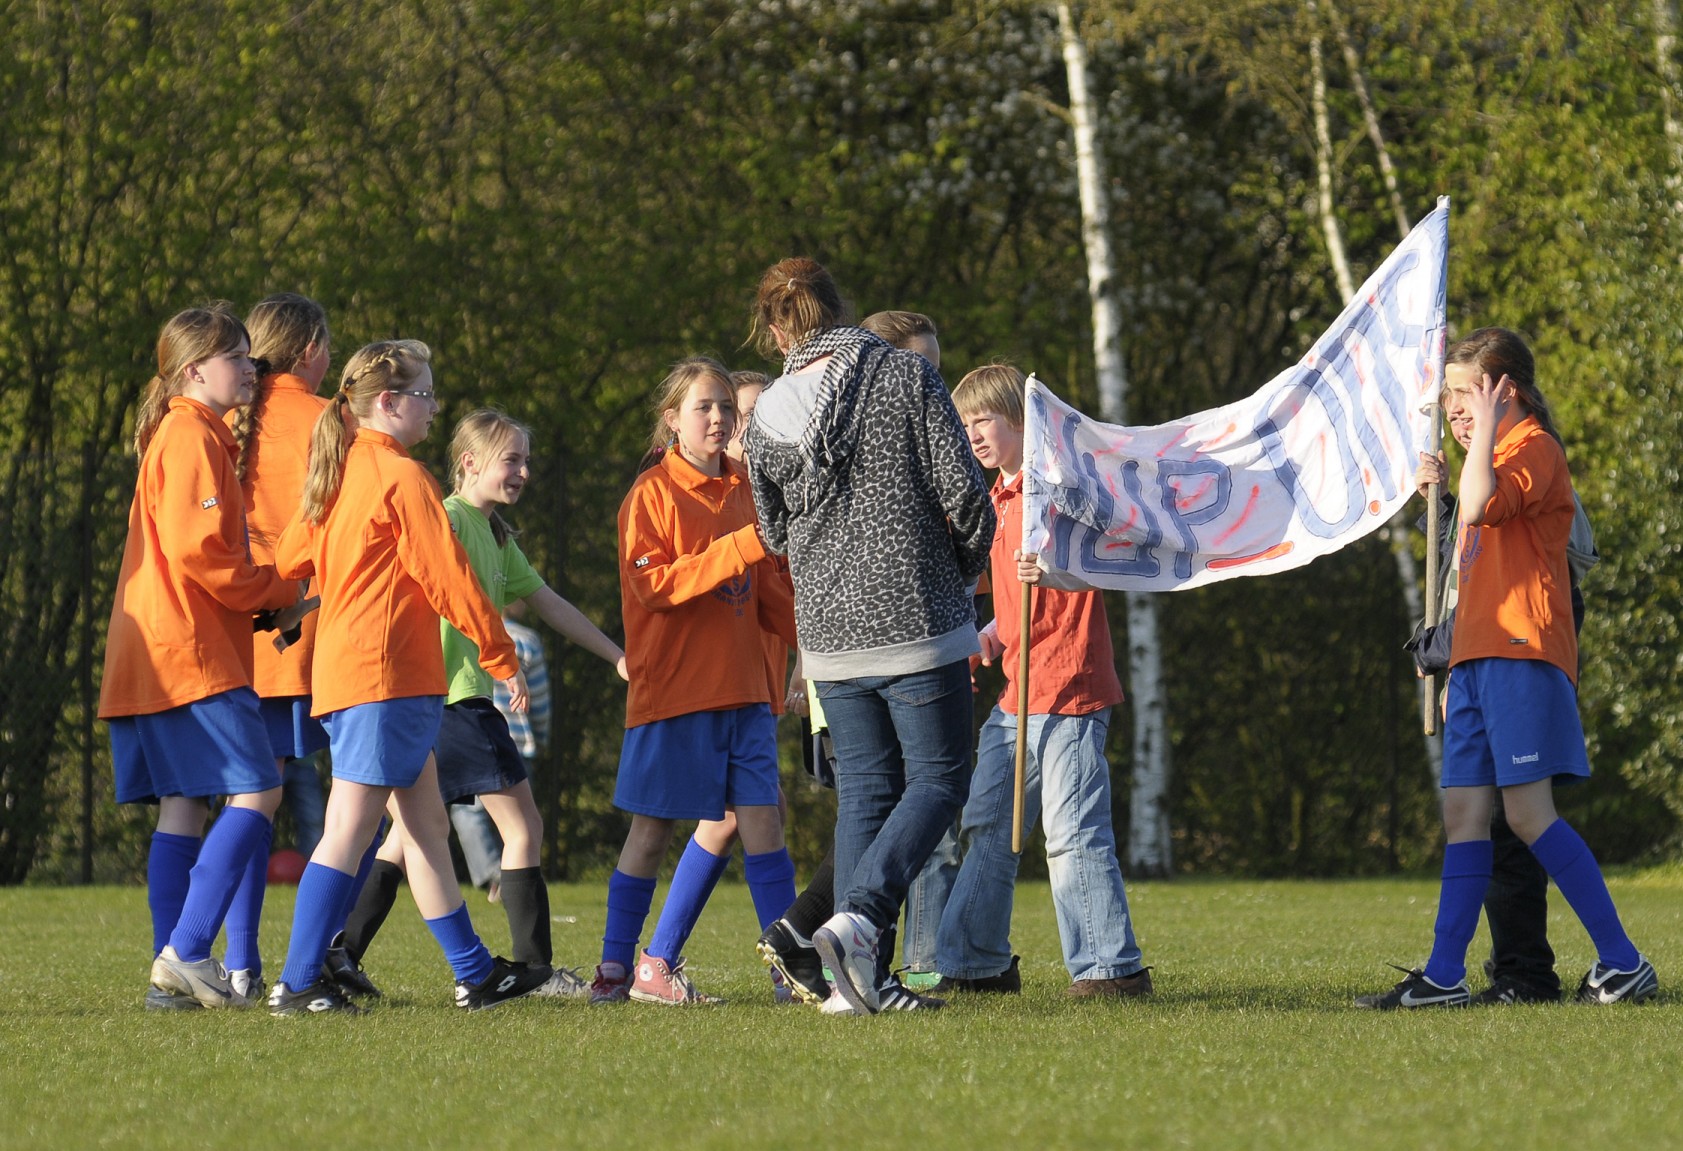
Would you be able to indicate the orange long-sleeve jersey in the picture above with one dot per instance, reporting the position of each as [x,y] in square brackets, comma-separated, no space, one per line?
[1514,598]
[181,626]
[277,459]
[696,590]
[387,568]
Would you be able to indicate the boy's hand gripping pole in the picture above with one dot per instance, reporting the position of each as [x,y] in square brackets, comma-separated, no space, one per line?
[1022,719]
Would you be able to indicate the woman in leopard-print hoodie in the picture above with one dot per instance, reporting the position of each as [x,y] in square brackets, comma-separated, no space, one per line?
[864,478]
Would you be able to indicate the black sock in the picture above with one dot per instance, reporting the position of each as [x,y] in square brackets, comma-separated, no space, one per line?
[818,902]
[526,899]
[372,907]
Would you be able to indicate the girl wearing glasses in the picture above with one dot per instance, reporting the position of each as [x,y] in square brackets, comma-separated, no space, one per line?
[373,533]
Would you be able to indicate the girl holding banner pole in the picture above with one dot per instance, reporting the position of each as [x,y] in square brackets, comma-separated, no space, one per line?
[1512,711]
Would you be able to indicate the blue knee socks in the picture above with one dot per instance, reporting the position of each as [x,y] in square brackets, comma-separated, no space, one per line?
[247,909]
[1466,875]
[469,958]
[168,868]
[628,907]
[221,866]
[1571,864]
[321,893]
[771,881]
[692,883]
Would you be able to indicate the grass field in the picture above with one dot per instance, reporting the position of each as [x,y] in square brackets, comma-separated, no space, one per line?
[1249,1042]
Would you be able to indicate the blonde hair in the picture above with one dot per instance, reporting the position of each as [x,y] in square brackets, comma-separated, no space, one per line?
[483,433]
[798,296]
[669,397]
[375,368]
[283,327]
[996,389]
[899,328]
[189,337]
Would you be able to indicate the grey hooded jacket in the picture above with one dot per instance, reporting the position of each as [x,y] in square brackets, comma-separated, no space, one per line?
[865,479]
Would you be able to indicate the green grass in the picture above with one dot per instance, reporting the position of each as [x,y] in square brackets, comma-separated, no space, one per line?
[1250,1042]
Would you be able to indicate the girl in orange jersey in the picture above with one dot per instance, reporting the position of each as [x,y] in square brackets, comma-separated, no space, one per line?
[696,588]
[373,533]
[289,343]
[1511,719]
[185,724]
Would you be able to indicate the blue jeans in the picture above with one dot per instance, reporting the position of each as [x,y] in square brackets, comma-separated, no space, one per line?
[482,847]
[926,901]
[902,747]
[1067,769]
[301,790]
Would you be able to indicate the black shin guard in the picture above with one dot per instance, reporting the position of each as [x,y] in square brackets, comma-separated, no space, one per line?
[526,899]
[372,907]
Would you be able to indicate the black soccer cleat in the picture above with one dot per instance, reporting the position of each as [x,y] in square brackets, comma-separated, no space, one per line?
[508,980]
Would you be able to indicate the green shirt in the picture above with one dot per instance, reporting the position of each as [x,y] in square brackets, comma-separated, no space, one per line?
[504,574]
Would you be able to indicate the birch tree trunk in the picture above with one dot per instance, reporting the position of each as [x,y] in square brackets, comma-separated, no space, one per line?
[1148,832]
[1665,45]
[1408,572]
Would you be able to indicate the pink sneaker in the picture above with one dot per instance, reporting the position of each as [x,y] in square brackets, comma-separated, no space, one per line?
[611,985]
[655,982]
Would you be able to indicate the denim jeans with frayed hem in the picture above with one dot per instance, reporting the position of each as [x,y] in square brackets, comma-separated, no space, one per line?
[1066,774]
[902,747]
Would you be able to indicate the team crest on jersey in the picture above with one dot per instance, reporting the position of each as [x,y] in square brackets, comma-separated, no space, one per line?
[208,504]
[735,591]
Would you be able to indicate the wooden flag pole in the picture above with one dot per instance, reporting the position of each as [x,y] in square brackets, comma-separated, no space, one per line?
[1022,717]
[1434,561]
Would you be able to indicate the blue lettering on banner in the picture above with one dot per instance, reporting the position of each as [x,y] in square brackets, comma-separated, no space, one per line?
[1184,521]
[1084,501]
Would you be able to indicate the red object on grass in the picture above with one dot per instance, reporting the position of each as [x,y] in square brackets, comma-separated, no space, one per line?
[286,866]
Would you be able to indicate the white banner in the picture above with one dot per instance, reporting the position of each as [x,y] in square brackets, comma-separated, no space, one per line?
[1324,454]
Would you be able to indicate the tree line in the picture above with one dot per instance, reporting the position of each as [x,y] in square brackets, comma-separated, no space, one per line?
[563,199]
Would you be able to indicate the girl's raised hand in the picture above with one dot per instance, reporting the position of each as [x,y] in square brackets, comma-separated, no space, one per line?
[1487,402]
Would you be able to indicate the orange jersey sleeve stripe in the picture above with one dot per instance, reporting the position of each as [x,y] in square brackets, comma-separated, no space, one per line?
[387,568]
[180,628]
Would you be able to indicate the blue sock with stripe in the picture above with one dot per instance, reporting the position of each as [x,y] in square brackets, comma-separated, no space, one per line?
[246,911]
[169,866]
[771,881]
[629,898]
[693,882]
[321,893]
[469,958]
[221,866]
[1571,864]
[1466,875]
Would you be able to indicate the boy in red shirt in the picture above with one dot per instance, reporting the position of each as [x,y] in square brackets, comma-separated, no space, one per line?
[1072,688]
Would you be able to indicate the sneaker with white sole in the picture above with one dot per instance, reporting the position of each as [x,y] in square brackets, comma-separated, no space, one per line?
[564,983]
[204,980]
[319,998]
[611,985]
[848,945]
[1415,990]
[836,1005]
[896,996]
[656,981]
[1604,984]
[506,982]
[249,984]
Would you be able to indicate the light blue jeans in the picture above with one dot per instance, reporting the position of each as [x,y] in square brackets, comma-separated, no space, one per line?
[1066,769]
[926,902]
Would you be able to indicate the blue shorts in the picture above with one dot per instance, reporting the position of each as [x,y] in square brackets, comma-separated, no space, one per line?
[293,731]
[476,754]
[1511,721]
[385,743]
[212,746]
[694,766]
